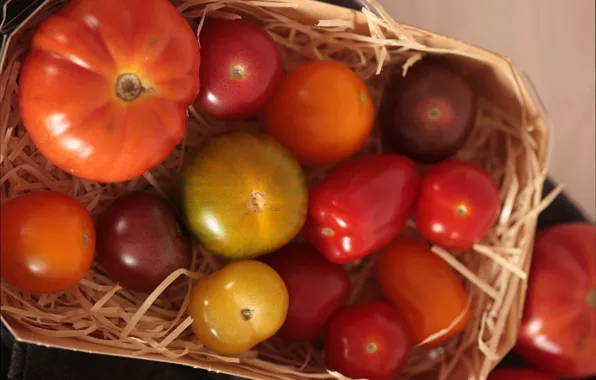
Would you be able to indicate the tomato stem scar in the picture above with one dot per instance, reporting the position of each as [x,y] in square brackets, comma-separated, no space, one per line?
[434,113]
[129,87]
[461,209]
[371,348]
[237,71]
[246,314]
[256,201]
[591,298]
[328,232]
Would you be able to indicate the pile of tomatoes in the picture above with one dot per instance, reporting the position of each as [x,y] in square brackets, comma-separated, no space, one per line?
[244,195]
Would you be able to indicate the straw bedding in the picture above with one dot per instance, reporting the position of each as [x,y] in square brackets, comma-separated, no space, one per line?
[510,142]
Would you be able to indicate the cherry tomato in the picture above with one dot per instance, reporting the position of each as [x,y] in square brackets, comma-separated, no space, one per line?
[316,287]
[361,206]
[518,374]
[238,307]
[139,241]
[47,242]
[457,204]
[558,327]
[428,114]
[240,68]
[424,289]
[322,112]
[367,341]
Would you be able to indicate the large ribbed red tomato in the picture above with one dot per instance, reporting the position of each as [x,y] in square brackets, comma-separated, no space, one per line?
[558,328]
[104,90]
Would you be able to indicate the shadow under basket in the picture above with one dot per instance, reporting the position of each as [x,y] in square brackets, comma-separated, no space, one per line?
[510,140]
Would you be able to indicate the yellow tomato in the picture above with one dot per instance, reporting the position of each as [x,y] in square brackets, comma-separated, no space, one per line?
[238,307]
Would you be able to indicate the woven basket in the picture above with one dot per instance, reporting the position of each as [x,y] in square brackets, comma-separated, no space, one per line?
[510,140]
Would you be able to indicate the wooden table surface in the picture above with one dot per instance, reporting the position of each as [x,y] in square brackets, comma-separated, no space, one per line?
[553,41]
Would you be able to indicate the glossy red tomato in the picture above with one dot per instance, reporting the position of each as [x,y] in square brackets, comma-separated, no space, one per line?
[316,287]
[361,206]
[558,328]
[240,68]
[104,90]
[518,374]
[47,242]
[457,204]
[367,341]
[424,289]
[321,111]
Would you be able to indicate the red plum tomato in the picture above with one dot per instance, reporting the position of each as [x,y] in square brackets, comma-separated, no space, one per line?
[457,204]
[240,69]
[316,287]
[367,341]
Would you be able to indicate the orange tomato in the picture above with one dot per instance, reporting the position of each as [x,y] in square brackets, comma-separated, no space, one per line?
[47,242]
[322,111]
[104,90]
[424,289]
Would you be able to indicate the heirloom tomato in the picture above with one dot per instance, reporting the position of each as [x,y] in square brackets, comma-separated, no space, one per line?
[518,374]
[104,89]
[238,307]
[361,206]
[428,114]
[367,341]
[558,327]
[240,68]
[424,289]
[457,204]
[244,195]
[322,111]
[47,242]
[316,287]
[139,241]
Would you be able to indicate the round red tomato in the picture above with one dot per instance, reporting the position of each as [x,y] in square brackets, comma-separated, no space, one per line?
[47,242]
[558,328]
[104,90]
[316,287]
[424,289]
[367,341]
[240,68]
[322,111]
[457,204]
[518,374]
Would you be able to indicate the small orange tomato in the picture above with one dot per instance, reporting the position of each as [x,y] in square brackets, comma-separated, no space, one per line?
[424,289]
[238,307]
[47,242]
[322,111]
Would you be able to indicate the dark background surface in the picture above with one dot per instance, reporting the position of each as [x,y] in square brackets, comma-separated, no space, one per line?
[27,362]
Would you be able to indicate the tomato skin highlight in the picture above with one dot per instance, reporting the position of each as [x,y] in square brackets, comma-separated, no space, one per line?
[47,242]
[424,290]
[367,341]
[361,206]
[322,112]
[558,328]
[103,93]
[518,374]
[457,204]
[316,287]
[237,307]
[240,70]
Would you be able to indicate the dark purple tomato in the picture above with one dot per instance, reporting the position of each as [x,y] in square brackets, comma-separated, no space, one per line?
[240,69]
[140,242]
[428,114]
